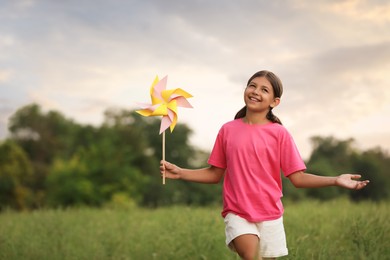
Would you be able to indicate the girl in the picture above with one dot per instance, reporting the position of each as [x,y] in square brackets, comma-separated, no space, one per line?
[249,152]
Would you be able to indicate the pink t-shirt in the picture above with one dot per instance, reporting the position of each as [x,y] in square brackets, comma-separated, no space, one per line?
[253,156]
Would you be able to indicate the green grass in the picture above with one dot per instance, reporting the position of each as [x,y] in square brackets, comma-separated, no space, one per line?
[338,230]
[315,230]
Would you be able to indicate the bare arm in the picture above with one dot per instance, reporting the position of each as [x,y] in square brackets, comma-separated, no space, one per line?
[301,179]
[209,174]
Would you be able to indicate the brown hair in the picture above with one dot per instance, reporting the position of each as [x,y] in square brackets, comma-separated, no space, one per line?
[277,87]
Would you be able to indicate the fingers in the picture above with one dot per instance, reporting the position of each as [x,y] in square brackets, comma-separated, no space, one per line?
[352,181]
[361,184]
[355,176]
[358,176]
[164,165]
[169,170]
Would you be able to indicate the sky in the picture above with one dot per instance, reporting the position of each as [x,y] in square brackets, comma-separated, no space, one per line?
[82,57]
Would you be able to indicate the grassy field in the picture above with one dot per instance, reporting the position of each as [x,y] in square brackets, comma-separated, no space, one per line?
[315,230]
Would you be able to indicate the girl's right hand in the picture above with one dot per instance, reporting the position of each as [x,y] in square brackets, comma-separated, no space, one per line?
[171,170]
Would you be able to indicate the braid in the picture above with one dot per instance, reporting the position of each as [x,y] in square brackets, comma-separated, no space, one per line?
[241,113]
[272,117]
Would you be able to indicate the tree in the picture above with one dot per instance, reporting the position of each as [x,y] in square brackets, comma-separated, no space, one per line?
[332,157]
[107,161]
[324,166]
[43,137]
[336,152]
[374,165]
[68,184]
[15,177]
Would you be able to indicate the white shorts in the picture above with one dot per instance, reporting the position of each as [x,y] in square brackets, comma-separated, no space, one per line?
[271,234]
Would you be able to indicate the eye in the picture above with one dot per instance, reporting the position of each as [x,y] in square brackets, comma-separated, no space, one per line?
[265,90]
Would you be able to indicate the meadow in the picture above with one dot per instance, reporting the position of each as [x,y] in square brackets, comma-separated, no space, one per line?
[315,230]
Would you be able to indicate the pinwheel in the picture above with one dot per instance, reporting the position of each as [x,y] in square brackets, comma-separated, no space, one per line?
[165,103]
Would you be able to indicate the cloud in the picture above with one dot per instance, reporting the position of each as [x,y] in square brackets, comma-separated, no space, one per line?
[81,57]
[378,12]
[355,59]
[5,75]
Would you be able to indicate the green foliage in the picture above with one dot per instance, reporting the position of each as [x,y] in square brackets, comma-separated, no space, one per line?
[77,164]
[324,166]
[332,157]
[121,200]
[292,193]
[68,184]
[336,152]
[374,165]
[43,137]
[50,160]
[16,174]
[95,174]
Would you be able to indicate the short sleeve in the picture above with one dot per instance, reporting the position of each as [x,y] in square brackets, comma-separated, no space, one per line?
[290,158]
[218,155]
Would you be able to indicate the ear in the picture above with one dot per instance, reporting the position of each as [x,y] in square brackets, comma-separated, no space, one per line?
[275,103]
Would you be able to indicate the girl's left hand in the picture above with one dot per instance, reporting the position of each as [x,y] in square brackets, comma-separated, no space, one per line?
[347,181]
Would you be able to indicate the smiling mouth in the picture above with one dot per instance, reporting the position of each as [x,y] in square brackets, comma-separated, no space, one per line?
[254,99]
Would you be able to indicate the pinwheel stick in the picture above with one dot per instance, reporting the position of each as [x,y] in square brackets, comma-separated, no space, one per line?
[163,155]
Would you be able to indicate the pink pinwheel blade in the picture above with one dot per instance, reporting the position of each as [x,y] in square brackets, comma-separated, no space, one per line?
[165,123]
[183,102]
[160,87]
[144,105]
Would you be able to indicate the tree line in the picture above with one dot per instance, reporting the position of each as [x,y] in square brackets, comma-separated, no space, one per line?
[49,160]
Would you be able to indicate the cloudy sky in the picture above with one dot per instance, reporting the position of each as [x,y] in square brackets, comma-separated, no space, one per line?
[81,57]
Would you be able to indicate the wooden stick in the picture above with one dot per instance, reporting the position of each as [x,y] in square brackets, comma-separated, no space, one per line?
[163,154]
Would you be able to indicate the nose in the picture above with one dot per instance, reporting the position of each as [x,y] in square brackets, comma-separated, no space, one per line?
[256,91]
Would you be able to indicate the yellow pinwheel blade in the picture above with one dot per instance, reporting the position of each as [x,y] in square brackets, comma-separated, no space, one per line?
[155,100]
[156,80]
[144,112]
[172,106]
[167,94]
[174,122]
[161,110]
[183,93]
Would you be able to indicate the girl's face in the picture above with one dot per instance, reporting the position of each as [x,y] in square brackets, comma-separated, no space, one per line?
[259,95]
